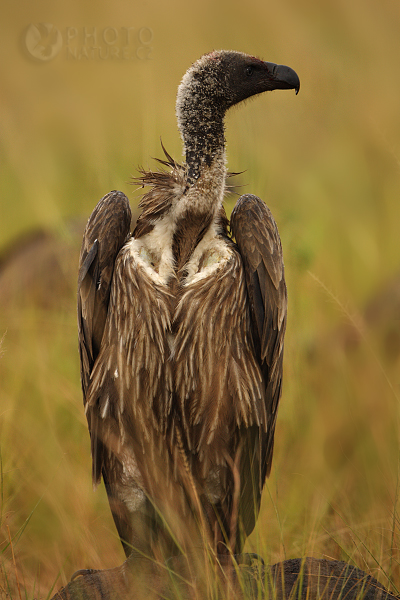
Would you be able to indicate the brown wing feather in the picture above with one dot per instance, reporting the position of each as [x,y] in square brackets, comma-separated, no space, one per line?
[105,234]
[257,237]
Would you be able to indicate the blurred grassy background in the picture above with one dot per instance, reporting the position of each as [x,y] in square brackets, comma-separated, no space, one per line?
[327,164]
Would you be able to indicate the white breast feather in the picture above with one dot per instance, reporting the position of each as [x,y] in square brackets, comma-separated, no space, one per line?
[218,252]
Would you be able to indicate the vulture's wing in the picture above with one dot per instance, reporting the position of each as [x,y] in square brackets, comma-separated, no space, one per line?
[257,238]
[105,233]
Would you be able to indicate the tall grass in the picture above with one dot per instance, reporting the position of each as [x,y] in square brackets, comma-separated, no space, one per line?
[327,164]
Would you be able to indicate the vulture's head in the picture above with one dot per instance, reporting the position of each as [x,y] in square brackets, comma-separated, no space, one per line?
[223,78]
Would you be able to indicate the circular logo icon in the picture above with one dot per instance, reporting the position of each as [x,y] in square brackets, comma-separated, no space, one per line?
[43,41]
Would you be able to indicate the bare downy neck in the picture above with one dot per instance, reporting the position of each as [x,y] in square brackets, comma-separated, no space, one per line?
[201,123]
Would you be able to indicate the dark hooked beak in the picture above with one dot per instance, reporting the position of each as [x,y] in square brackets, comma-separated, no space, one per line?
[282,77]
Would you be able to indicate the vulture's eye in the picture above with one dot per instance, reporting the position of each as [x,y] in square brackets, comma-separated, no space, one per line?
[249,70]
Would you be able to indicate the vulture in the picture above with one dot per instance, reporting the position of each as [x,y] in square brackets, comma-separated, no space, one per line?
[181,333]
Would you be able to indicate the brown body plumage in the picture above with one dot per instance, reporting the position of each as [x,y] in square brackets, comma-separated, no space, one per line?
[181,334]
